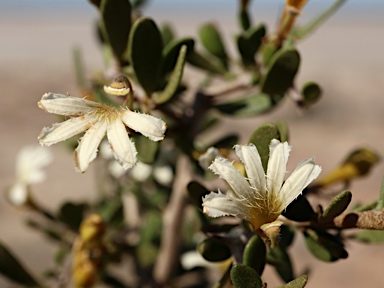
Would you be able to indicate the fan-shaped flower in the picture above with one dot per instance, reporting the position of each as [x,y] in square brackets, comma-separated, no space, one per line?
[259,198]
[96,120]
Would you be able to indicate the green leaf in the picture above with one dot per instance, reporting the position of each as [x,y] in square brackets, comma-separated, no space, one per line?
[255,253]
[300,210]
[175,79]
[337,206]
[172,51]
[111,210]
[370,236]
[211,65]
[147,149]
[212,41]
[138,4]
[167,33]
[262,138]
[213,250]
[250,106]
[196,191]
[11,268]
[311,93]
[243,276]
[116,24]
[324,246]
[280,259]
[145,47]
[299,282]
[287,234]
[244,20]
[248,43]
[72,214]
[283,129]
[95,2]
[227,141]
[281,72]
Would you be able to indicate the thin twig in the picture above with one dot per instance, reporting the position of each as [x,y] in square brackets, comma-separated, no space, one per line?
[172,223]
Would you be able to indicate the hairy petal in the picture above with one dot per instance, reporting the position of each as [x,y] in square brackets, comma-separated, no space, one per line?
[277,165]
[86,152]
[249,155]
[304,174]
[65,105]
[123,148]
[233,177]
[148,125]
[64,130]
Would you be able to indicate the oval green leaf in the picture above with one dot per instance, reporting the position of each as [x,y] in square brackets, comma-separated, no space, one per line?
[213,250]
[337,206]
[243,276]
[212,41]
[255,253]
[299,282]
[300,210]
[171,53]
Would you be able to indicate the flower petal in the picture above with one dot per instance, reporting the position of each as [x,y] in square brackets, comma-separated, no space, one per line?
[64,130]
[123,148]
[218,205]
[87,149]
[148,125]
[304,174]
[277,165]
[233,177]
[65,105]
[17,195]
[249,155]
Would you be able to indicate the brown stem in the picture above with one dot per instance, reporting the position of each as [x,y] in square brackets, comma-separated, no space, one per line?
[172,222]
[372,220]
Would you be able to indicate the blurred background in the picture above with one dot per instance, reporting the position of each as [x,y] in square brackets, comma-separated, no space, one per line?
[345,56]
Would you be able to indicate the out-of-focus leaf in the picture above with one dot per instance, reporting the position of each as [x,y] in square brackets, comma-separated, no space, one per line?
[244,20]
[255,253]
[147,149]
[280,259]
[167,33]
[226,142]
[101,97]
[262,138]
[300,210]
[213,250]
[212,41]
[196,191]
[11,268]
[248,43]
[250,106]
[324,246]
[287,233]
[281,72]
[116,24]
[283,129]
[137,4]
[370,236]
[337,206]
[243,276]
[95,2]
[175,79]
[311,93]
[171,53]
[268,51]
[299,282]
[198,60]
[111,211]
[72,214]
[145,47]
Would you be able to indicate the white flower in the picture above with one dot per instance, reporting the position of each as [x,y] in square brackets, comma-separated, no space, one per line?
[29,170]
[97,120]
[259,198]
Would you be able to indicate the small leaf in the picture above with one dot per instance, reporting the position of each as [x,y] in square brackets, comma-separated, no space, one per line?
[281,73]
[167,33]
[370,236]
[175,79]
[116,24]
[262,137]
[11,268]
[72,214]
[145,47]
[255,253]
[212,41]
[250,106]
[196,191]
[243,276]
[287,234]
[213,250]
[311,93]
[324,246]
[248,43]
[244,20]
[171,53]
[300,210]
[280,259]
[283,129]
[337,206]
[147,149]
[299,282]
[198,60]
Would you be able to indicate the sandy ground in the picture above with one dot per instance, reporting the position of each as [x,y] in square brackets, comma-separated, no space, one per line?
[345,57]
